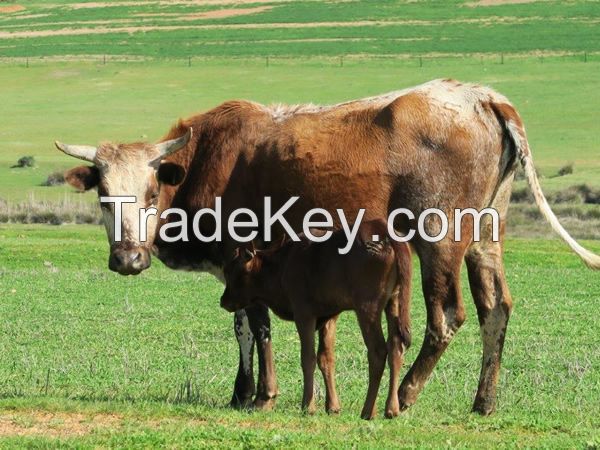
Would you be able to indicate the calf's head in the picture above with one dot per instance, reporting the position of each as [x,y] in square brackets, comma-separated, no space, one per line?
[132,170]
[243,280]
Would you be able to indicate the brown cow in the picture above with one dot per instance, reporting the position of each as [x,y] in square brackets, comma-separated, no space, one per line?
[442,144]
[311,284]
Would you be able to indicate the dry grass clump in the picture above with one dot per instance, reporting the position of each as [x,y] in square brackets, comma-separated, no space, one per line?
[49,212]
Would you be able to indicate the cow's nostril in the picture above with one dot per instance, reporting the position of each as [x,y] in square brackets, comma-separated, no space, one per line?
[136,257]
[118,258]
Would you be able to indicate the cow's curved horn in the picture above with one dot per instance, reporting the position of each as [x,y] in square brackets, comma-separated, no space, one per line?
[169,147]
[85,152]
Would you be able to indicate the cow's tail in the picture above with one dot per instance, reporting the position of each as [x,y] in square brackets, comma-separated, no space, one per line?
[516,132]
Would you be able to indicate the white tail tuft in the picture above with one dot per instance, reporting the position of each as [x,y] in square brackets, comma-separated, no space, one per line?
[524,154]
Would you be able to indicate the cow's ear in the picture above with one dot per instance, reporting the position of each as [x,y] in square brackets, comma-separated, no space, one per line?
[171,174]
[83,178]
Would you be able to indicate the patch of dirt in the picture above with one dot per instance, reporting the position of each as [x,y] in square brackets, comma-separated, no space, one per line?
[218,14]
[68,31]
[11,9]
[223,13]
[91,5]
[30,16]
[63,73]
[497,2]
[55,424]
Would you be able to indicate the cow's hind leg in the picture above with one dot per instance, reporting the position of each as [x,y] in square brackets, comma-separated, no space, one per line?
[326,362]
[260,325]
[244,387]
[440,273]
[493,302]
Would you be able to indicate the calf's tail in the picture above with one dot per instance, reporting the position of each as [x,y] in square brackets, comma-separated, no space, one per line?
[516,132]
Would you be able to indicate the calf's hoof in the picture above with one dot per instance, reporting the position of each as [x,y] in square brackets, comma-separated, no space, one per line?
[240,403]
[392,407]
[392,412]
[264,404]
[309,410]
[332,410]
[368,415]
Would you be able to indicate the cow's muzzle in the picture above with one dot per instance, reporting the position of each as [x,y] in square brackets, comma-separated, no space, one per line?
[129,261]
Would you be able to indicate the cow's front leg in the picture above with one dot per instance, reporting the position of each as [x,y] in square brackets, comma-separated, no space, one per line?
[244,388]
[260,325]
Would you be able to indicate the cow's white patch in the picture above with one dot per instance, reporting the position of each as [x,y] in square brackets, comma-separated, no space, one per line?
[462,99]
[108,217]
[447,327]
[491,331]
[127,173]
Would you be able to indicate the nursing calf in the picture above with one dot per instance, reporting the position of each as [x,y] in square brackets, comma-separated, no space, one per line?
[310,283]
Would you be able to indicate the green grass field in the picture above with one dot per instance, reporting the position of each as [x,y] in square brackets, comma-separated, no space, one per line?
[90,359]
[129,101]
[150,360]
[302,28]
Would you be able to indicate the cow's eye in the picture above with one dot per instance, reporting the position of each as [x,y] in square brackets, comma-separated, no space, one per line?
[154,197]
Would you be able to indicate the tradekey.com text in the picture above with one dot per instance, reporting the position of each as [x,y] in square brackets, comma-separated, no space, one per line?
[243,223]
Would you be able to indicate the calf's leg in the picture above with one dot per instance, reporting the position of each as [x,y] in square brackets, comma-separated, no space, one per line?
[306,331]
[326,361]
[244,387]
[397,314]
[260,325]
[370,326]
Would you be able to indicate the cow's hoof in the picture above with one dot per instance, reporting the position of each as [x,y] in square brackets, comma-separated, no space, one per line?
[484,407]
[261,404]
[404,402]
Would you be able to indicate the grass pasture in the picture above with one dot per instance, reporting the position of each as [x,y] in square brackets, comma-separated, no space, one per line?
[298,28]
[132,101]
[89,359]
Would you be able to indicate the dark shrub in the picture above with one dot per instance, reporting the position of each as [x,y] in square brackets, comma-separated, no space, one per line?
[25,161]
[572,194]
[581,193]
[565,170]
[522,195]
[54,179]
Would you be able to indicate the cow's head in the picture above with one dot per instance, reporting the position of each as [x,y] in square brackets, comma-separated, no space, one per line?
[133,170]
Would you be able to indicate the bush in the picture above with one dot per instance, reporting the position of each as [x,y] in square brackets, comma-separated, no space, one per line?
[565,170]
[55,213]
[577,194]
[54,179]
[581,193]
[522,195]
[25,161]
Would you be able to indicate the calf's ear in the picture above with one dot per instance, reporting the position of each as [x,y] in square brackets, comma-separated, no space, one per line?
[83,178]
[247,255]
[171,174]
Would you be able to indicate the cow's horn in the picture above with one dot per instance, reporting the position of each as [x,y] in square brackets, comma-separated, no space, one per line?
[168,147]
[85,152]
